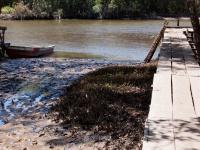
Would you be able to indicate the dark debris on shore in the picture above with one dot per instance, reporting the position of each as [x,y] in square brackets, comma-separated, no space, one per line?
[113,102]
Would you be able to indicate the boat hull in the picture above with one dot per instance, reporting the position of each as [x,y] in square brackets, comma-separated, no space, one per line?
[28,52]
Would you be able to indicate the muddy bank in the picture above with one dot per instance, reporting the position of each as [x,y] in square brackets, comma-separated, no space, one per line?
[28,88]
[27,83]
[112,102]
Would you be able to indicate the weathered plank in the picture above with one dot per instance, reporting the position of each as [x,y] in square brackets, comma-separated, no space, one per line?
[193,70]
[178,68]
[160,135]
[164,67]
[183,113]
[173,121]
[164,63]
[178,62]
[161,102]
[187,134]
[165,51]
[159,130]
[186,130]
[182,99]
[167,35]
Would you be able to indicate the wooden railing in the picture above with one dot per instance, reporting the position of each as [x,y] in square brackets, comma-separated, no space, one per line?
[191,41]
[156,43]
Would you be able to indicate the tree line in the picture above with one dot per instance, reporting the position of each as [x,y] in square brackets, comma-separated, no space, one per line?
[103,9]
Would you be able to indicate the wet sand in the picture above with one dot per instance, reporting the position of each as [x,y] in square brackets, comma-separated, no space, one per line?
[28,89]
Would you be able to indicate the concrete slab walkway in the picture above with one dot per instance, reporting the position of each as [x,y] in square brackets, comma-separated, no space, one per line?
[173,122]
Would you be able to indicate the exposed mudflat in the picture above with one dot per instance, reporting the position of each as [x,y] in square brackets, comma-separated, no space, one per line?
[28,88]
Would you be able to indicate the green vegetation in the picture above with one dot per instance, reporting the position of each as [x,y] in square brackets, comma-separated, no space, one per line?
[97,8]
[7,10]
[114,101]
[60,54]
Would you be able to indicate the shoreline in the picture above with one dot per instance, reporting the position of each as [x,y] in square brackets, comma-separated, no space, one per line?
[38,84]
[29,88]
[31,79]
[10,17]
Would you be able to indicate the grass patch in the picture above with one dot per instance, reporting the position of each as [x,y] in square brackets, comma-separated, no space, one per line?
[113,100]
[74,55]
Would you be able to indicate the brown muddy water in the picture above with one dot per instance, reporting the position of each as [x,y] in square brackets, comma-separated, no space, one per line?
[112,39]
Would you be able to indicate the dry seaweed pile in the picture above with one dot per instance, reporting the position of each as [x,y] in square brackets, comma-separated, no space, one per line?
[114,101]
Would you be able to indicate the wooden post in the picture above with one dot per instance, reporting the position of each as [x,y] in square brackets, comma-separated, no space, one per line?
[2,39]
[178,22]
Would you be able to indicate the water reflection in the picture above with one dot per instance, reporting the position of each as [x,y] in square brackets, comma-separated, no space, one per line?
[118,39]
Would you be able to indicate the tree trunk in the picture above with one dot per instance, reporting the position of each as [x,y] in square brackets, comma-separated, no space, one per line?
[1,5]
[105,9]
[192,5]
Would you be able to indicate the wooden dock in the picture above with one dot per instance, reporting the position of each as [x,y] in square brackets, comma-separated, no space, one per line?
[174,118]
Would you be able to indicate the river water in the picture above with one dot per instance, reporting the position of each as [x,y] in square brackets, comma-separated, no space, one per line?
[112,39]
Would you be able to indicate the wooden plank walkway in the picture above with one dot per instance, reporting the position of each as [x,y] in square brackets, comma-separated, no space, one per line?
[174,118]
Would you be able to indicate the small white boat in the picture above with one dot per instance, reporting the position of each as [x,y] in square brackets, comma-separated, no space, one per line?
[28,51]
